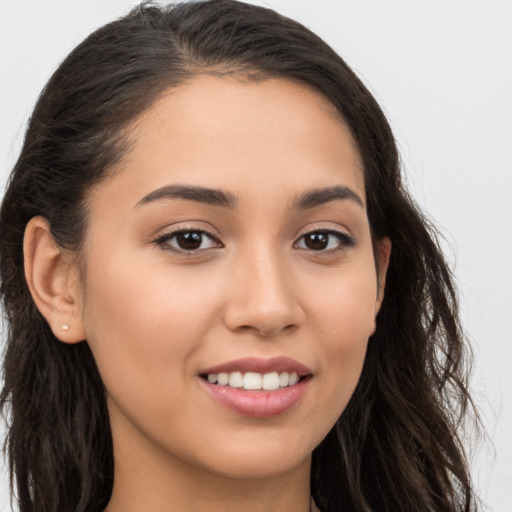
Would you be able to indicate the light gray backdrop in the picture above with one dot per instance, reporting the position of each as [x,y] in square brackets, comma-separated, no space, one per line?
[442,71]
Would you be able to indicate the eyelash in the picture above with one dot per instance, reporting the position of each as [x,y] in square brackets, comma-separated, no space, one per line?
[164,240]
[345,241]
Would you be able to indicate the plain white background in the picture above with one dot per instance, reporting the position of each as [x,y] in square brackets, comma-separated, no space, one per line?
[443,73]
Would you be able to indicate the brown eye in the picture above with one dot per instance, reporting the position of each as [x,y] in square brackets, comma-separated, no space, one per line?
[189,240]
[325,241]
[316,241]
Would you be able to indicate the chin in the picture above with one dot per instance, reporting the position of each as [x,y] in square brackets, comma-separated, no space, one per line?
[260,468]
[261,456]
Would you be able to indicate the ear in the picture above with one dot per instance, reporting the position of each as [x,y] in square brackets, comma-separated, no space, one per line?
[54,281]
[382,255]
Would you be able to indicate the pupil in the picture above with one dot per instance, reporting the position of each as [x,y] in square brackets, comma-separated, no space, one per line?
[317,241]
[190,240]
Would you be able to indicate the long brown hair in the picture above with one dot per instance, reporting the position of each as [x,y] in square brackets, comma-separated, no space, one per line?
[396,446]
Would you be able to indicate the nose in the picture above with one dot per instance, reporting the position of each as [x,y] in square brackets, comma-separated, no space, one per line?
[263,297]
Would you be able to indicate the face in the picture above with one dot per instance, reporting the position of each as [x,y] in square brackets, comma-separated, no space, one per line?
[232,245]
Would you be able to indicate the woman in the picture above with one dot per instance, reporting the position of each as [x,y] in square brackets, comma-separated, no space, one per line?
[219,295]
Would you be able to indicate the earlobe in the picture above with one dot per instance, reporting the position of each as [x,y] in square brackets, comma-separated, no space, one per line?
[53,281]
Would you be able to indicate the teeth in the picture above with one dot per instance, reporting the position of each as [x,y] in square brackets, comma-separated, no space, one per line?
[223,379]
[252,380]
[294,378]
[270,381]
[236,379]
[284,379]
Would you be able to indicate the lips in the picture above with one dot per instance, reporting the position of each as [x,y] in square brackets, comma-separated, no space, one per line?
[252,364]
[259,388]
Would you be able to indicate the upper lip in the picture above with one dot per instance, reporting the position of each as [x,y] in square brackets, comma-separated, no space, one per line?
[257,365]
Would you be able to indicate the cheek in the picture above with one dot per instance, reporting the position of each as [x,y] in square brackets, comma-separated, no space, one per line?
[344,305]
[142,324]
[143,299]
[344,316]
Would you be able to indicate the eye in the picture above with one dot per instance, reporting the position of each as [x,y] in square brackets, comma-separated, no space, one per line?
[325,240]
[188,240]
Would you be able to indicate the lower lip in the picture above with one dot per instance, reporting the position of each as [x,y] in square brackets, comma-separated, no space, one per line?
[258,404]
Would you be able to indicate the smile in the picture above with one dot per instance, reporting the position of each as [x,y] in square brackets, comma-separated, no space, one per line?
[259,388]
[254,381]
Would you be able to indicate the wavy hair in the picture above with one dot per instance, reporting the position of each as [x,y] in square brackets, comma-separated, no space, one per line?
[397,445]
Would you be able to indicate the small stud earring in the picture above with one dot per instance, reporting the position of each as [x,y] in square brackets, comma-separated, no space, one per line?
[65,327]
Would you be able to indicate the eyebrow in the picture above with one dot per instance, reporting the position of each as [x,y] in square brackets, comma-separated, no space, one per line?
[192,193]
[320,196]
[216,197]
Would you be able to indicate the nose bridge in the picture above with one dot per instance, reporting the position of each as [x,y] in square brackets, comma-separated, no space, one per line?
[263,298]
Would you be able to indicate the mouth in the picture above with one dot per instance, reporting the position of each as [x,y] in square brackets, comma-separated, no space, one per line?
[253,381]
[255,374]
[260,388]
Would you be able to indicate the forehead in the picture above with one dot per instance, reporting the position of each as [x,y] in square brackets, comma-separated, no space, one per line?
[260,137]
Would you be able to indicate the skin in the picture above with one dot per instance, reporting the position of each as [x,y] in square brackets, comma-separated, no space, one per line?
[155,316]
